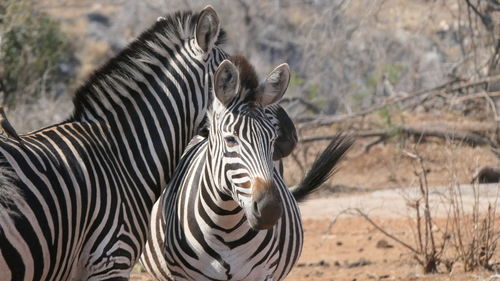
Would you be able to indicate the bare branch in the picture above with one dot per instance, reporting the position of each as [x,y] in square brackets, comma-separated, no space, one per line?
[379,228]
[470,138]
[421,96]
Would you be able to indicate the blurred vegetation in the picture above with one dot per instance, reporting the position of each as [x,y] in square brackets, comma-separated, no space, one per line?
[392,120]
[36,57]
[346,56]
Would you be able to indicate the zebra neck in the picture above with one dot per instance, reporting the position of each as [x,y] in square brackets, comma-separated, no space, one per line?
[224,211]
[223,226]
[151,118]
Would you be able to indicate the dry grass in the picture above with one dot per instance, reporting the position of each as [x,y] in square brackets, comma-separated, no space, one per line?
[474,233]
[47,111]
[466,236]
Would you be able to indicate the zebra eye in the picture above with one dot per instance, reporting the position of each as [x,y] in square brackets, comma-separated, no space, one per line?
[231,141]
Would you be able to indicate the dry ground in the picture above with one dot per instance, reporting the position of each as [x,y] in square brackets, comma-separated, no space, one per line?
[349,252]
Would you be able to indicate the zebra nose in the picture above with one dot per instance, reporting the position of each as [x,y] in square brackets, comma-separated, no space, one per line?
[267,207]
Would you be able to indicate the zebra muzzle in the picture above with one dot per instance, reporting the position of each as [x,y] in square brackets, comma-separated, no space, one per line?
[266,207]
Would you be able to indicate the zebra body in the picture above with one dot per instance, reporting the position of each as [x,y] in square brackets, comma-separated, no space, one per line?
[234,262]
[209,223]
[75,197]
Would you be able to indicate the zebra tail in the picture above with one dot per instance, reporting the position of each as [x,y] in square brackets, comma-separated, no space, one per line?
[323,167]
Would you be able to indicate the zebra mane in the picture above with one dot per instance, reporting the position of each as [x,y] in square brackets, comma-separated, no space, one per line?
[249,83]
[248,86]
[248,76]
[175,27]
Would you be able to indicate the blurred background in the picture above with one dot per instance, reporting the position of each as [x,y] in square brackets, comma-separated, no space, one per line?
[416,81]
[345,55]
[393,72]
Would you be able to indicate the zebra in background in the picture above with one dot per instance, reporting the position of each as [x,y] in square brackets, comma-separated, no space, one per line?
[227,214]
[76,197]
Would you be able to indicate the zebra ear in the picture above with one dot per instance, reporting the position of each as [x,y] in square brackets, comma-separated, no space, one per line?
[226,82]
[275,85]
[207,28]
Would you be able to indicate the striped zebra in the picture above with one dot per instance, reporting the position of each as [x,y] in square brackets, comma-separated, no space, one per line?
[227,214]
[76,197]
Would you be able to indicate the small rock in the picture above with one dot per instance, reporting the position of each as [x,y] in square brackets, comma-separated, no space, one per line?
[339,243]
[383,244]
[321,263]
[487,175]
[361,262]
[337,263]
[98,18]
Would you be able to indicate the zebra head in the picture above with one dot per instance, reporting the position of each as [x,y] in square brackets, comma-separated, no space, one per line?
[242,138]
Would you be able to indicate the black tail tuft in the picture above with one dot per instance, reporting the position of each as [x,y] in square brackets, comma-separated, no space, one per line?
[323,167]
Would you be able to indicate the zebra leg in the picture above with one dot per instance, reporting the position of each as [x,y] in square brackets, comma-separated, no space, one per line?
[107,269]
[109,259]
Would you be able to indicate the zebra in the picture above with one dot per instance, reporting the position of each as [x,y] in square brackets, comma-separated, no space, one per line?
[76,197]
[227,214]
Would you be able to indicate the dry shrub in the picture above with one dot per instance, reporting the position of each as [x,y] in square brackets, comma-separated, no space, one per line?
[475,235]
[469,235]
[46,111]
[35,55]
[427,250]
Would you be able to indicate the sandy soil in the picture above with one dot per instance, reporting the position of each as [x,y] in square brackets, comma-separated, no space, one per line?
[350,252]
[340,246]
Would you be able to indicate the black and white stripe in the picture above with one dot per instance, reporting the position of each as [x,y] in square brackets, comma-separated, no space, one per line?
[85,187]
[227,213]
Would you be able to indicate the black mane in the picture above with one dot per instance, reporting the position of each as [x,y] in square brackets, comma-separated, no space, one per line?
[248,76]
[167,26]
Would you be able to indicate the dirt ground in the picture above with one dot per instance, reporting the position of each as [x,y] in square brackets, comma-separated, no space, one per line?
[355,250]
